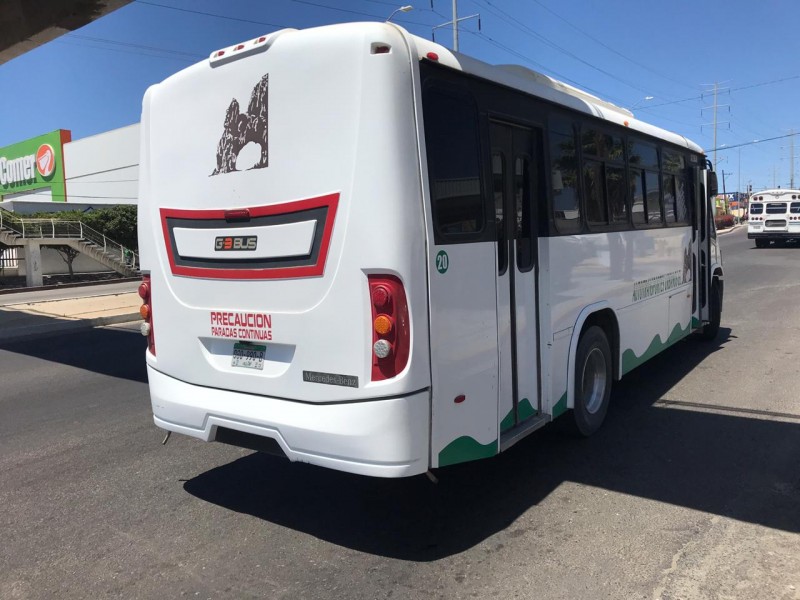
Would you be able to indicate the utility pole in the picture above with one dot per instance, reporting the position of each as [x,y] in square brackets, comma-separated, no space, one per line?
[791,161]
[716,122]
[724,193]
[455,23]
[739,185]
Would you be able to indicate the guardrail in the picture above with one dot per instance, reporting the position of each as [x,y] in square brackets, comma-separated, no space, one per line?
[62,229]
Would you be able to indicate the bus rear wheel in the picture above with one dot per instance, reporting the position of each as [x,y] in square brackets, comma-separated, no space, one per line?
[592,381]
[762,243]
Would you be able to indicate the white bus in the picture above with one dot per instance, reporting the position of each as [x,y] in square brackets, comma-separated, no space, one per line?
[774,216]
[366,252]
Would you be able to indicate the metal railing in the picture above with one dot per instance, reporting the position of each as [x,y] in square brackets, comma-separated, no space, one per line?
[62,229]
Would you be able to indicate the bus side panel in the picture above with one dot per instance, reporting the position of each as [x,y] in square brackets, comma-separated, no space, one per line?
[464,354]
[644,277]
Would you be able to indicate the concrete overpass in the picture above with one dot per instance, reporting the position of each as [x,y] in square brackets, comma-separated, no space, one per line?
[26,24]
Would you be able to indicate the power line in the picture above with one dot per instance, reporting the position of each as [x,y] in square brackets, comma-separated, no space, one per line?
[772,139]
[132,45]
[123,51]
[356,12]
[736,89]
[208,14]
[606,46]
[500,13]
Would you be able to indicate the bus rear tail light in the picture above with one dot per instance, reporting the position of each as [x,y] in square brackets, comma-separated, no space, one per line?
[146,312]
[391,332]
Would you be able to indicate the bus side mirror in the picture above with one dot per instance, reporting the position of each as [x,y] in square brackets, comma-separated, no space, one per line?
[713,186]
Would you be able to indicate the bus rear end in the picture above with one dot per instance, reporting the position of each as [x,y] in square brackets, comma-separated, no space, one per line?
[282,240]
[774,216]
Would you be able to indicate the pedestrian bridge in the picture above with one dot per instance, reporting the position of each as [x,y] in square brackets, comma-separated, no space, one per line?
[32,234]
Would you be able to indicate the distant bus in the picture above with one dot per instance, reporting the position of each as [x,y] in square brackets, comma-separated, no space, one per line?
[368,253]
[774,216]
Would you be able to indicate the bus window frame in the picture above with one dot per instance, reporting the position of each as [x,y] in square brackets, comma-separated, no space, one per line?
[445,87]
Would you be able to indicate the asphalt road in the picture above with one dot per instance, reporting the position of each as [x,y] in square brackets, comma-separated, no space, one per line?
[691,489]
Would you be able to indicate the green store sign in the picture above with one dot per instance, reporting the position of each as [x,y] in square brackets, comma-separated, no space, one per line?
[35,164]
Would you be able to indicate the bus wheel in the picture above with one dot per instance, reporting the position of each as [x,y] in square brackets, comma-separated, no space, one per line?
[592,381]
[711,329]
[761,243]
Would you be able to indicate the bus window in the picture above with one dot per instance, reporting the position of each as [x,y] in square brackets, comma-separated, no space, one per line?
[637,196]
[756,209]
[794,208]
[776,208]
[451,136]
[668,185]
[523,205]
[498,189]
[593,187]
[615,188]
[564,182]
[681,208]
[653,192]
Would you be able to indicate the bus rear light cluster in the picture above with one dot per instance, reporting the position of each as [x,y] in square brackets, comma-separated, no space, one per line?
[146,312]
[391,334]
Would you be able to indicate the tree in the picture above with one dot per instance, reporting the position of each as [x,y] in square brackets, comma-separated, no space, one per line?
[68,254]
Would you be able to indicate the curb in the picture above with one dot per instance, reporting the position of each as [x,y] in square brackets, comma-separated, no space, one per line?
[50,301]
[729,229]
[64,286]
[34,332]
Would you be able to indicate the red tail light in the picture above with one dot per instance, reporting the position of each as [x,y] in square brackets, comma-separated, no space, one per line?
[146,311]
[391,332]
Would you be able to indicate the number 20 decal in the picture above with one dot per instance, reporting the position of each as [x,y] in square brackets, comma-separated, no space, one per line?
[442,261]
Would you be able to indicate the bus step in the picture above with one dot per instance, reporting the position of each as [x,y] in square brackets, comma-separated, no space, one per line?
[512,436]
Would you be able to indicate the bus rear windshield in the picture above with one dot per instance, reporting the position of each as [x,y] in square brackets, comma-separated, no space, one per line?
[756,209]
[776,208]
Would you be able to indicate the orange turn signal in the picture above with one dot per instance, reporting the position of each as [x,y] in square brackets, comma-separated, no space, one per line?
[144,311]
[383,324]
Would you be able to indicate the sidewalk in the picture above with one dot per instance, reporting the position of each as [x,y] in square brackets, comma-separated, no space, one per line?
[36,315]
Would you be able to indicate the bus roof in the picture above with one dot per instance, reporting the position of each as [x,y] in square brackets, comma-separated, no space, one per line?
[777,194]
[514,76]
[538,84]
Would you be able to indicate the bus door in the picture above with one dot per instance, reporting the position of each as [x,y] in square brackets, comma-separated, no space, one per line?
[705,219]
[514,184]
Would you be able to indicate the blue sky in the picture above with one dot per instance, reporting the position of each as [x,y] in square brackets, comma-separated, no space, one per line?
[93,79]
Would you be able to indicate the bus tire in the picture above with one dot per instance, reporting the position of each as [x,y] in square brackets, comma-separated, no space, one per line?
[593,378]
[761,243]
[711,329]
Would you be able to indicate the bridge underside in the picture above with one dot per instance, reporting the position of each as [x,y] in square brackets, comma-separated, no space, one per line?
[24,24]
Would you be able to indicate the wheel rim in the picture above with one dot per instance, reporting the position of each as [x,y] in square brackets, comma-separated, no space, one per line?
[594,380]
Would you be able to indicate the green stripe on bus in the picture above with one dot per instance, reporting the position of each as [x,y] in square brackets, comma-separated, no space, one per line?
[526,411]
[629,359]
[465,449]
[560,407]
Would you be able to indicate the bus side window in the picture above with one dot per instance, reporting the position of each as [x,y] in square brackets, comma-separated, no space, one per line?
[498,189]
[524,209]
[564,178]
[454,166]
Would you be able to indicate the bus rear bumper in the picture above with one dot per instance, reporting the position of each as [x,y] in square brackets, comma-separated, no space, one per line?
[386,437]
[774,235]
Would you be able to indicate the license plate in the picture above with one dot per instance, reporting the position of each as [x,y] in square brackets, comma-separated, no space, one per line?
[249,356]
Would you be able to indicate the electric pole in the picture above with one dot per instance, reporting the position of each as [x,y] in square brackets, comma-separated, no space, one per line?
[716,122]
[791,161]
[455,23]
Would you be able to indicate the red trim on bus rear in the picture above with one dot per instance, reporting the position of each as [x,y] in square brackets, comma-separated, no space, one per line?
[331,201]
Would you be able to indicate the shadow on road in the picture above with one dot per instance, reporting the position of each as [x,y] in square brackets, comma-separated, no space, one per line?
[741,466]
[115,352]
